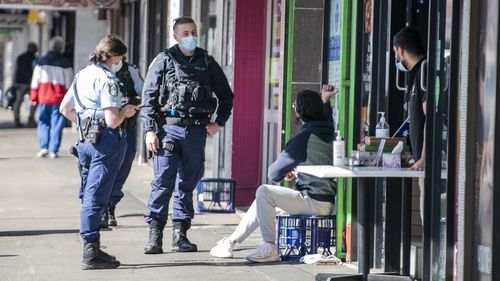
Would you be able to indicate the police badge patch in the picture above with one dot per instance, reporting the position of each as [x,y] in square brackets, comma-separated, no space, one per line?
[113,89]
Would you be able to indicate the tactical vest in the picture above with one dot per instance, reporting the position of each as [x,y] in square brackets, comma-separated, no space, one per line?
[126,84]
[188,93]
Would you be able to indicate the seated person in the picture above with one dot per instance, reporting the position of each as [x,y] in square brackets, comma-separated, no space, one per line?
[312,145]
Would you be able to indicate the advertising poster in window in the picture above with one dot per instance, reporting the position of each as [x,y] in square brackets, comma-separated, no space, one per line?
[485,126]
[334,51]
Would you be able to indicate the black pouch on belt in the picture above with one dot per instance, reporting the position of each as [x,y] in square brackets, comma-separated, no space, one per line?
[93,134]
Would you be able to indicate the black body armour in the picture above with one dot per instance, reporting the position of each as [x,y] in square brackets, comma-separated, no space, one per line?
[187,93]
[129,96]
[126,84]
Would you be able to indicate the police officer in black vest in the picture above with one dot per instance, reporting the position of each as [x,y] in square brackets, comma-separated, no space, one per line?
[130,83]
[177,114]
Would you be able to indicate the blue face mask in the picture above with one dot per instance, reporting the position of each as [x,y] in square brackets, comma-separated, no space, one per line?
[400,66]
[189,43]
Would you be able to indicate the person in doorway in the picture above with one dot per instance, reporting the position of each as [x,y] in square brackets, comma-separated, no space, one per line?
[409,55]
[130,83]
[22,79]
[94,103]
[51,79]
[177,116]
[312,145]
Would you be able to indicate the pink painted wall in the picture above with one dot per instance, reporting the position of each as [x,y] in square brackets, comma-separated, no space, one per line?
[249,72]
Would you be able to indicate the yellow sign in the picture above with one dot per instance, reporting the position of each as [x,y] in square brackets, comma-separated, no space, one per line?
[33,16]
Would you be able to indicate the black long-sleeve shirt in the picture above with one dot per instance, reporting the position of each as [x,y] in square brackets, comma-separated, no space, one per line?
[163,64]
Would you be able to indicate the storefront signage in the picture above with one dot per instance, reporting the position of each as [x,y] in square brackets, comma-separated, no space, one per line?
[65,3]
[12,21]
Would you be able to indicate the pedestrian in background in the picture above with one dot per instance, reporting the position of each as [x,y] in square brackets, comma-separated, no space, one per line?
[94,103]
[51,79]
[22,79]
[130,82]
[177,116]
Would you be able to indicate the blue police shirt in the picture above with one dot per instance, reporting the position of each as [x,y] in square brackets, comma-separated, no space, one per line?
[97,89]
[136,77]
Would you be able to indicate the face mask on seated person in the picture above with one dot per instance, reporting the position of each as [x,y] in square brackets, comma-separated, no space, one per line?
[189,43]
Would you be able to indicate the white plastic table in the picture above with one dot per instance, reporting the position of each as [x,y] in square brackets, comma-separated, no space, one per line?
[361,173]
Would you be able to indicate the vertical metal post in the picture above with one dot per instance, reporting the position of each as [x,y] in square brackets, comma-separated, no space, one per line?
[433,170]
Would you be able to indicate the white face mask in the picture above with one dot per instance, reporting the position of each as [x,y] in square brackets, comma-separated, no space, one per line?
[400,66]
[116,67]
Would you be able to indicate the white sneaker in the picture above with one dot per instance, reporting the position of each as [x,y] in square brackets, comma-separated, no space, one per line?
[42,153]
[223,249]
[53,155]
[265,253]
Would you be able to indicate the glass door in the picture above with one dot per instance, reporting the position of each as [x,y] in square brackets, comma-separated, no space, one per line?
[440,136]
[273,102]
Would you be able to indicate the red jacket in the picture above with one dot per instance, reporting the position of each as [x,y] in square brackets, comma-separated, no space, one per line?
[51,79]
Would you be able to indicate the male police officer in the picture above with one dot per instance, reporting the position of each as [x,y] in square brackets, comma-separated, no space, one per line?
[178,107]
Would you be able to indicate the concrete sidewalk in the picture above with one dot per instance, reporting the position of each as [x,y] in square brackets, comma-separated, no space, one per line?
[39,222]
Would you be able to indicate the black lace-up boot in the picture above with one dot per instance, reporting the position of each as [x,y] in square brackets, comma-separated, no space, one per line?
[155,238]
[111,214]
[94,258]
[180,242]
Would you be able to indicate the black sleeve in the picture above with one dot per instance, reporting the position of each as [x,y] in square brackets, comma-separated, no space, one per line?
[222,91]
[150,93]
[327,107]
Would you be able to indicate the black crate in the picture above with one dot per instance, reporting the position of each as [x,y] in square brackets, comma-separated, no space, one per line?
[216,195]
[297,236]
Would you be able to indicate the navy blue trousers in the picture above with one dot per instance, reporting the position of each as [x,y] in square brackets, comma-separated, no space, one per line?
[100,163]
[177,173]
[125,168]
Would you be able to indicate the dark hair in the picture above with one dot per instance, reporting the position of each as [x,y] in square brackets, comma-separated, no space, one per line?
[182,20]
[32,47]
[309,106]
[409,39]
[108,47]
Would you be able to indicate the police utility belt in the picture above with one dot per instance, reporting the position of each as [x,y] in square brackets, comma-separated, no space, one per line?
[186,121]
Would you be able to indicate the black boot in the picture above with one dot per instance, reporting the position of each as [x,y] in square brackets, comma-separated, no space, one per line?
[155,238]
[104,219]
[112,219]
[94,258]
[180,242]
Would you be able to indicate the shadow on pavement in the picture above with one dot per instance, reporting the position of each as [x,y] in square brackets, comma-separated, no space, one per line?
[196,263]
[37,232]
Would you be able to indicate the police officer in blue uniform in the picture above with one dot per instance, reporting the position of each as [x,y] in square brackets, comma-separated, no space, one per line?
[94,103]
[130,83]
[177,116]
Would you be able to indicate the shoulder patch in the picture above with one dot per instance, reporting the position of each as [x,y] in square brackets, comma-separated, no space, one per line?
[113,88]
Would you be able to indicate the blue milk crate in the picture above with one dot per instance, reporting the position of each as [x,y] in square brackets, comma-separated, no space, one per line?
[297,235]
[216,195]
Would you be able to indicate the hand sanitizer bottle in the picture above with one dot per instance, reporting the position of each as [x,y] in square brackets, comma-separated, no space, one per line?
[338,151]
[382,128]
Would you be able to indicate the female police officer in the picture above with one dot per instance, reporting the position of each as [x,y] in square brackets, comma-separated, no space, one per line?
[93,102]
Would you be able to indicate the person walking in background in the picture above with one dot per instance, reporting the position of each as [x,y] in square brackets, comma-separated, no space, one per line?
[51,79]
[94,103]
[22,79]
[312,145]
[177,116]
[130,83]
